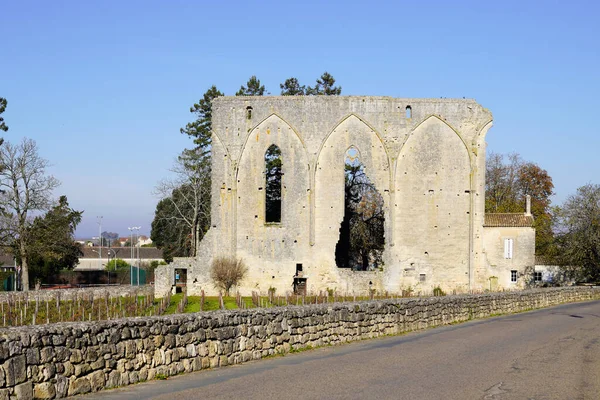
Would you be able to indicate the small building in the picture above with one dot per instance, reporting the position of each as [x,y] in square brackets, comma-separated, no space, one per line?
[509,245]
[95,259]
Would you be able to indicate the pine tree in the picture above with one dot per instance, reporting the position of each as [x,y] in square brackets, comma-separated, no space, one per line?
[200,129]
[3,104]
[324,86]
[254,88]
[292,87]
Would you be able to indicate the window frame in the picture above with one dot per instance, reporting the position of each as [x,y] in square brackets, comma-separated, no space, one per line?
[509,245]
[514,276]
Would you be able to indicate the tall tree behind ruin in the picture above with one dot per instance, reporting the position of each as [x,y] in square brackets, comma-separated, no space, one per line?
[578,234]
[25,189]
[200,129]
[188,193]
[509,179]
[192,165]
[253,88]
[3,104]
[324,86]
[291,87]
[168,233]
[361,239]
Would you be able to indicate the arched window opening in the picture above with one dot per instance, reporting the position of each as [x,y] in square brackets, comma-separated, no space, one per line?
[362,241]
[408,112]
[273,174]
[248,112]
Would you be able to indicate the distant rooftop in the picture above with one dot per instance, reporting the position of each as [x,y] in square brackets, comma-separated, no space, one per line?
[508,220]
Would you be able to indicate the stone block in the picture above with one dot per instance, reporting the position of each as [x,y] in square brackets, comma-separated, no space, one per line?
[45,390]
[79,386]
[24,391]
[33,356]
[15,370]
[97,380]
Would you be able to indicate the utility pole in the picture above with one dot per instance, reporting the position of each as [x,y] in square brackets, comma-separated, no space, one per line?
[134,229]
[100,239]
[130,255]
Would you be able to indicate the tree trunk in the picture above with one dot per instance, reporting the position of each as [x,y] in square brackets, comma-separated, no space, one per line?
[365,261]
[24,268]
[195,235]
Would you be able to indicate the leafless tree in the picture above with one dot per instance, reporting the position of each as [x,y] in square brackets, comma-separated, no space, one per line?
[25,189]
[189,194]
[227,272]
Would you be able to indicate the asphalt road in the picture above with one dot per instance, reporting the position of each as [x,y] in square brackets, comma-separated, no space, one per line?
[552,353]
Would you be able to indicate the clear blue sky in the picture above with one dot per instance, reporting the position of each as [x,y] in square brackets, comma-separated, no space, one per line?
[103,87]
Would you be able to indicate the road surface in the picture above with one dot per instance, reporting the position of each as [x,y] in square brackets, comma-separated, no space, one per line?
[552,353]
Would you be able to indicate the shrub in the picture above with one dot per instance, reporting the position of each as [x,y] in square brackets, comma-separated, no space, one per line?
[227,272]
[116,265]
[437,291]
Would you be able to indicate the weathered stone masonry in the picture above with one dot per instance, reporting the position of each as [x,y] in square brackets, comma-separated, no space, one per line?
[72,358]
[425,156]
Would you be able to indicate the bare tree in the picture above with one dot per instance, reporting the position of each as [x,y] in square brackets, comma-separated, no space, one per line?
[578,234]
[188,193]
[25,190]
[227,272]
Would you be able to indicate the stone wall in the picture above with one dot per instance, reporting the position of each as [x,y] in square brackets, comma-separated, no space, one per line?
[73,358]
[69,294]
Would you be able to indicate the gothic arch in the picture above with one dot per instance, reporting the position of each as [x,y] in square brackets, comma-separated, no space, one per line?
[342,121]
[433,183]
[438,118]
[329,174]
[274,119]
[250,197]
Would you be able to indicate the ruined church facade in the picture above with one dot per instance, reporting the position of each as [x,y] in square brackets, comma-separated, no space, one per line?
[425,156]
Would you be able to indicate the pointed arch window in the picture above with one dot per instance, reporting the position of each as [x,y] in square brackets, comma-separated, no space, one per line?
[362,240]
[273,175]
[408,112]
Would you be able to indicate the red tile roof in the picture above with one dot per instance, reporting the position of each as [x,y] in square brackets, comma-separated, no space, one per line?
[508,220]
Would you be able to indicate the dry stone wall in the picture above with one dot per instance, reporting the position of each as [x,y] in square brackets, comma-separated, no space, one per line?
[81,293]
[59,360]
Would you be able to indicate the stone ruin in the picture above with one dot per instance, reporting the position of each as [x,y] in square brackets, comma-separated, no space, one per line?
[426,157]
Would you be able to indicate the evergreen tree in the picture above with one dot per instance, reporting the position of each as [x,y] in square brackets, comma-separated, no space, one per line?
[200,129]
[324,86]
[51,244]
[292,87]
[254,88]
[3,104]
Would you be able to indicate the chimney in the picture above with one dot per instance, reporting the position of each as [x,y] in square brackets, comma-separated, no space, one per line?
[528,205]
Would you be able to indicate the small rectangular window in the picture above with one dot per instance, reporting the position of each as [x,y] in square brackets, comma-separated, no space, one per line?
[537,276]
[422,277]
[508,249]
[513,276]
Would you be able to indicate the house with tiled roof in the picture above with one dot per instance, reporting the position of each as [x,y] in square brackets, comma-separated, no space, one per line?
[509,247]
